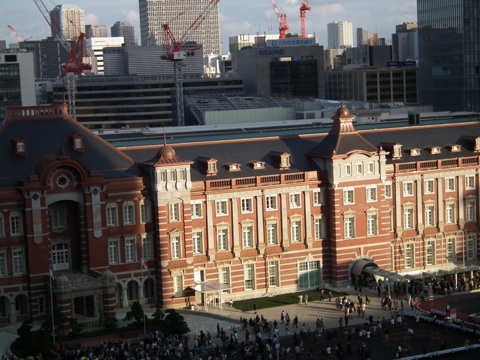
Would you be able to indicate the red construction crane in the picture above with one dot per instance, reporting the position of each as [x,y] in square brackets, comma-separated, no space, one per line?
[282,20]
[177,51]
[20,37]
[303,9]
[74,64]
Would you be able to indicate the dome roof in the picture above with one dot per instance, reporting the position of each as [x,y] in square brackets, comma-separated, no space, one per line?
[166,153]
[342,111]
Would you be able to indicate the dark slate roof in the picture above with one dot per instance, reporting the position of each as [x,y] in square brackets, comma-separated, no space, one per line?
[47,136]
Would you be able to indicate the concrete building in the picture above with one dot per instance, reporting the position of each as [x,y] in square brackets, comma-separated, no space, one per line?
[292,71]
[94,51]
[93,31]
[180,15]
[238,42]
[367,37]
[17,80]
[125,29]
[405,42]
[70,20]
[135,101]
[365,56]
[121,218]
[340,34]
[449,59]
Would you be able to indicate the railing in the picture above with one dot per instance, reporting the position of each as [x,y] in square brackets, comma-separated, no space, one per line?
[150,301]
[255,181]
[436,164]
[4,320]
[91,324]
[22,318]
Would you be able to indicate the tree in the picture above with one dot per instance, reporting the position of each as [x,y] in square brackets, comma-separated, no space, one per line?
[136,312]
[174,324]
[31,343]
[110,323]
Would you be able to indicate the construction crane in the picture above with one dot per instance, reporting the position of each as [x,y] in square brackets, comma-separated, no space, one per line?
[177,51]
[303,9]
[282,20]
[74,64]
[20,37]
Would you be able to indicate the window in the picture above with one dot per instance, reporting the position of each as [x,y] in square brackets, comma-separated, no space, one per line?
[16,224]
[224,275]
[174,212]
[295,201]
[2,227]
[112,215]
[42,305]
[471,245]
[371,167]
[451,250]
[409,256]
[347,169]
[408,218]
[176,246]
[163,176]
[359,168]
[271,202]
[470,182]
[407,188]
[388,190]
[430,253]
[183,174]
[173,176]
[247,205]
[178,285]
[3,264]
[348,196]
[146,211]
[273,274]
[197,239]
[18,261]
[221,206]
[429,189]
[318,197]
[197,210]
[450,213]
[371,193]
[147,247]
[295,230]
[429,215]
[130,253]
[450,184]
[308,274]
[113,252]
[247,236]
[128,213]
[272,233]
[319,228]
[222,239]
[372,224]
[349,226]
[58,218]
[470,210]
[249,276]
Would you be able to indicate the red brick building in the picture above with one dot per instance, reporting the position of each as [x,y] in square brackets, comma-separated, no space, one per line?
[168,224]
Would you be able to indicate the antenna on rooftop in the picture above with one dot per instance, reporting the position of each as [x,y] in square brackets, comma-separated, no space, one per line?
[164,136]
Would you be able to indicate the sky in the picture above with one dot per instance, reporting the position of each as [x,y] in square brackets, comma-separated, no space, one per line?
[236,16]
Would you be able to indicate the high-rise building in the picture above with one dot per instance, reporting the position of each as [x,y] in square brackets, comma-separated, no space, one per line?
[125,29]
[95,31]
[94,50]
[405,42]
[340,34]
[366,37]
[179,15]
[70,19]
[449,38]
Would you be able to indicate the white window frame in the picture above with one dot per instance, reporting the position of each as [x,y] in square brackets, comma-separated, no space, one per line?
[429,186]
[130,249]
[470,207]
[128,213]
[359,168]
[372,224]
[449,184]
[295,200]
[112,214]
[145,211]
[197,210]
[246,205]
[450,217]
[271,202]
[222,239]
[296,230]
[224,275]
[175,245]
[197,241]
[371,191]
[318,228]
[318,199]
[347,169]
[272,232]
[450,250]
[3,263]
[429,215]
[16,223]
[348,196]
[174,212]
[430,252]
[178,285]
[470,182]
[147,247]
[58,218]
[388,191]
[113,251]
[409,255]
[471,246]
[247,235]
[273,273]
[221,207]
[408,222]
[408,188]
[249,276]
[371,167]
[349,226]
[18,261]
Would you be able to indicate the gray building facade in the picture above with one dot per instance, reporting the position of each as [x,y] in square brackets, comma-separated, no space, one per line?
[125,29]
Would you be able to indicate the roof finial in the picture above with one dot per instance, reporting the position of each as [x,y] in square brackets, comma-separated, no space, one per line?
[164,136]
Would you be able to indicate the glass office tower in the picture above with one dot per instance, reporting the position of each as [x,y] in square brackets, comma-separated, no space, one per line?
[449,54]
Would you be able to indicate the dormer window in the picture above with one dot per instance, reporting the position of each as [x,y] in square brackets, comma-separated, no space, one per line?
[455,148]
[414,152]
[210,165]
[77,143]
[435,150]
[394,149]
[257,165]
[477,145]
[232,167]
[20,146]
[282,159]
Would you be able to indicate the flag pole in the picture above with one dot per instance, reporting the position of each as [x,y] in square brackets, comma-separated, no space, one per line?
[51,305]
[143,289]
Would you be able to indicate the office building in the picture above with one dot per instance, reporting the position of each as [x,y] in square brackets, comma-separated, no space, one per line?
[93,31]
[340,34]
[179,15]
[70,20]
[94,51]
[124,218]
[125,29]
[405,42]
[367,37]
[449,39]
[365,56]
